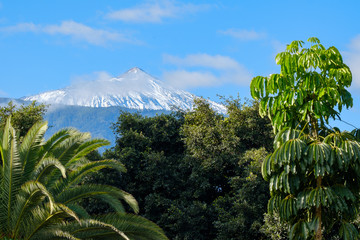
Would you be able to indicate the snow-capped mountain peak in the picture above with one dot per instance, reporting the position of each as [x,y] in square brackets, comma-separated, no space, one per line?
[135,89]
[135,70]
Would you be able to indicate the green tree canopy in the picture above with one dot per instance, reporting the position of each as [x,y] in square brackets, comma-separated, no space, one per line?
[22,117]
[204,183]
[311,83]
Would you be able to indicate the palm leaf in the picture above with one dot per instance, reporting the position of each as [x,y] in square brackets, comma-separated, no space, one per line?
[76,193]
[135,227]
[31,195]
[30,146]
[44,168]
[77,175]
[87,147]
[54,233]
[56,140]
[92,229]
[68,148]
[79,211]
[43,217]
[117,205]
[12,173]
[116,226]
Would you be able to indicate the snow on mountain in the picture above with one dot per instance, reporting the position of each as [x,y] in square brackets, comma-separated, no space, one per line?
[134,89]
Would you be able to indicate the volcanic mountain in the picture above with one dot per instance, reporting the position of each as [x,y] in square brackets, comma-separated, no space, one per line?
[134,89]
[93,106]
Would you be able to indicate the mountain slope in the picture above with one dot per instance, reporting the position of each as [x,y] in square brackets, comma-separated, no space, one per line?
[97,121]
[134,89]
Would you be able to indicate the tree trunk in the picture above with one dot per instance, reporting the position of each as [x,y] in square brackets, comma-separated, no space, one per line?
[314,133]
[318,235]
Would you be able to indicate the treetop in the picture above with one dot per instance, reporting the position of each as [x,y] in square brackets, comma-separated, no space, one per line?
[311,83]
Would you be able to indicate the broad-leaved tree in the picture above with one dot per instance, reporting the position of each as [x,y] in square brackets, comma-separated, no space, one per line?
[314,171]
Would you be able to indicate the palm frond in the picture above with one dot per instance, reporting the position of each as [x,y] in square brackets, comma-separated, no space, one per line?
[77,175]
[135,227]
[42,217]
[45,166]
[87,147]
[114,203]
[12,173]
[56,140]
[68,148]
[30,146]
[79,211]
[79,192]
[90,228]
[31,195]
[52,233]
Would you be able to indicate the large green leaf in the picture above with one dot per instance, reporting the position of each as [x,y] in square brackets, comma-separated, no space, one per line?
[348,231]
[30,147]
[12,173]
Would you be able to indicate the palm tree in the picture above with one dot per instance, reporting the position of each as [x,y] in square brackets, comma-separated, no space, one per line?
[42,183]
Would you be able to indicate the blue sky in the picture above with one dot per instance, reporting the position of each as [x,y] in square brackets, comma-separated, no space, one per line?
[206,47]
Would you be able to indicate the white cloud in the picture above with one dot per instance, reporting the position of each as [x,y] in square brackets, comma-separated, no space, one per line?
[355,43]
[245,35]
[102,83]
[3,94]
[82,32]
[186,79]
[203,60]
[209,71]
[84,86]
[21,27]
[95,76]
[155,11]
[352,58]
[70,28]
[278,46]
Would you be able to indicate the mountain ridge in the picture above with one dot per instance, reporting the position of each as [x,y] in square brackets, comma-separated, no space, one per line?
[135,89]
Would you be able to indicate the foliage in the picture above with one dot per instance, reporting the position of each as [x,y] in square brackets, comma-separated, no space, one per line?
[223,147]
[200,176]
[240,212]
[209,136]
[40,190]
[153,152]
[310,85]
[293,170]
[313,171]
[274,228]
[23,117]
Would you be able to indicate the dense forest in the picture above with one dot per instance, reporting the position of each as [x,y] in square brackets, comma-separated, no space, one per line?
[196,174]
